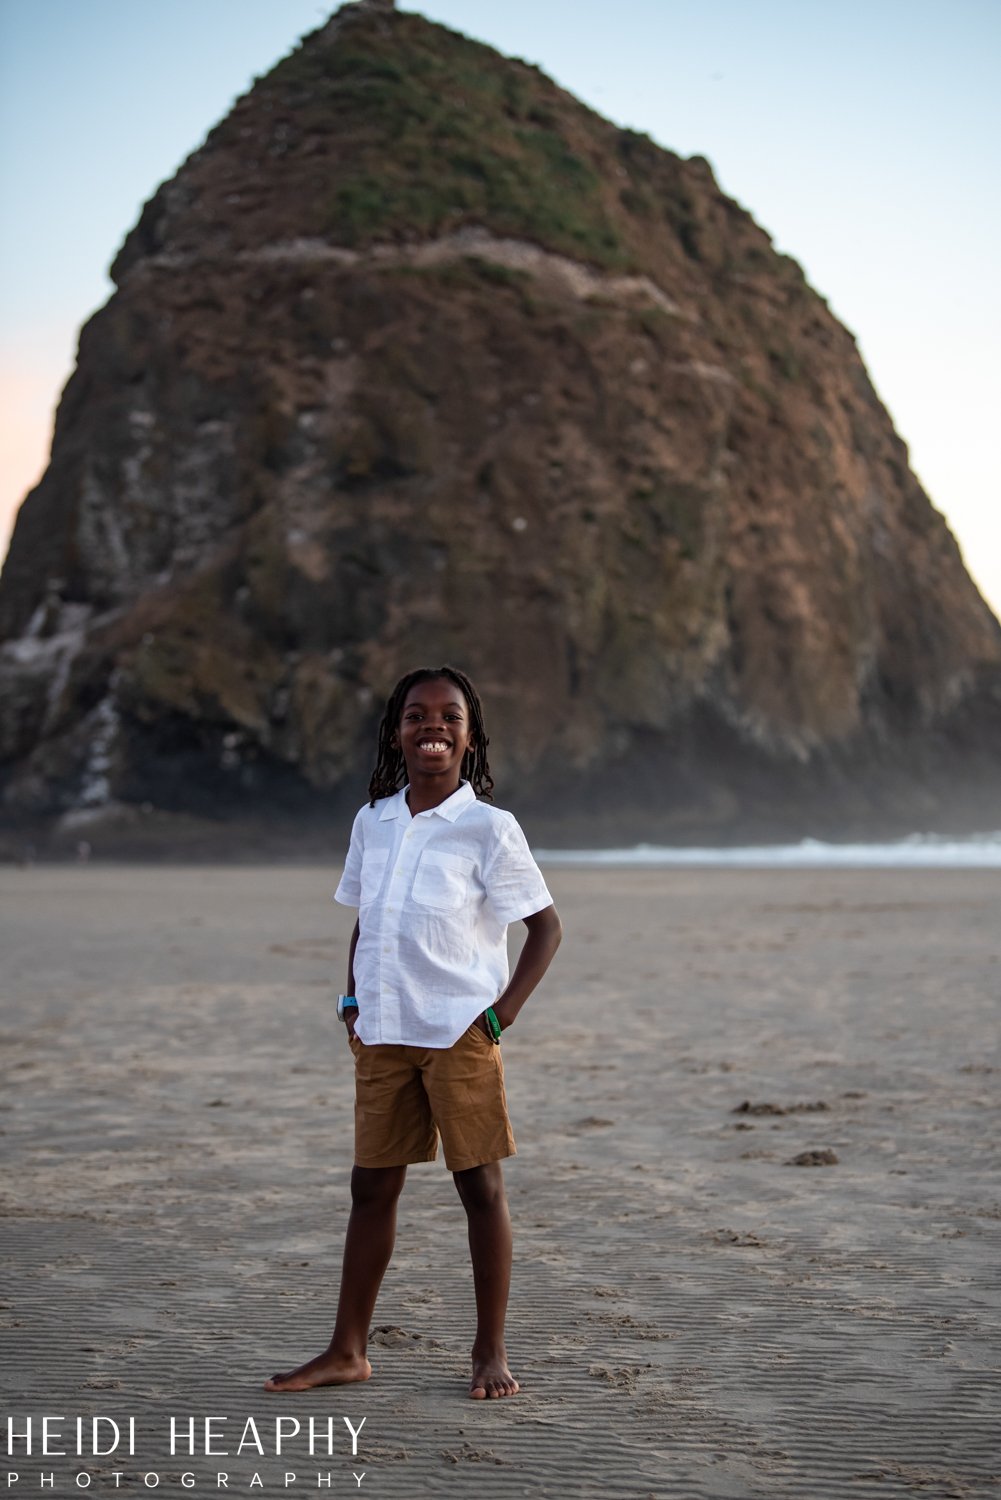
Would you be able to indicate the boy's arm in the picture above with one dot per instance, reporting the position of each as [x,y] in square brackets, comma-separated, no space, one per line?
[545,931]
[351,1016]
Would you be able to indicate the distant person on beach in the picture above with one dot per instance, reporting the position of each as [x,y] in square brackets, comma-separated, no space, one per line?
[437,874]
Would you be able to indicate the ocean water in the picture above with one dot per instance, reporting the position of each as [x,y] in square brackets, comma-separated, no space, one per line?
[919,851]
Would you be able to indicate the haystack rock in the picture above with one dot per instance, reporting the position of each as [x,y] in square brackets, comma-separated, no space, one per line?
[418,359]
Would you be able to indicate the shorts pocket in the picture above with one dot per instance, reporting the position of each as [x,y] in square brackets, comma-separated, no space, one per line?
[443,881]
[479,1035]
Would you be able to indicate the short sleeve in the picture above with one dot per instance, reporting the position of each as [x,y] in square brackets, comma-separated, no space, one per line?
[348,891]
[513,881]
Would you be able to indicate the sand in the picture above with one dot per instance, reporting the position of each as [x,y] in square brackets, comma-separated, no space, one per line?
[692,1314]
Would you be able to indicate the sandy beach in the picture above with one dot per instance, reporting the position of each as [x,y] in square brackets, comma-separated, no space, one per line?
[757,1200]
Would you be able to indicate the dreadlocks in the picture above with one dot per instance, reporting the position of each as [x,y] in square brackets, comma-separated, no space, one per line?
[390,771]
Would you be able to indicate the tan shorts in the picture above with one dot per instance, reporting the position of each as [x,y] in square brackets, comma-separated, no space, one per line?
[406,1096]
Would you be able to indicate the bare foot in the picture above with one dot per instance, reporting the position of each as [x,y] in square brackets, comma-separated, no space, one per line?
[492,1378]
[325,1369]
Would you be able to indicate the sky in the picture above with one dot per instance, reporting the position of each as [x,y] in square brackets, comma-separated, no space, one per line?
[864,135]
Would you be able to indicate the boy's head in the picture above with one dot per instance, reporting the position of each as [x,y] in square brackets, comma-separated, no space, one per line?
[431,698]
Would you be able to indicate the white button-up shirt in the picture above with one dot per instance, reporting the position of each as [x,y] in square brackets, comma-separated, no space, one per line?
[435,894]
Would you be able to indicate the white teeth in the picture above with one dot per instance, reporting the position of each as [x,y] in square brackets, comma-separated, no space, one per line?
[435,745]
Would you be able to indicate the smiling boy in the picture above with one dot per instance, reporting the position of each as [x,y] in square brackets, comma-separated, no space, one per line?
[437,875]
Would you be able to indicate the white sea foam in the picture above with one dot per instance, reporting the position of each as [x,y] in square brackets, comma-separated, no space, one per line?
[919,851]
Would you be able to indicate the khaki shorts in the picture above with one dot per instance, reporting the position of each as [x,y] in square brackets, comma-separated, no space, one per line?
[406,1096]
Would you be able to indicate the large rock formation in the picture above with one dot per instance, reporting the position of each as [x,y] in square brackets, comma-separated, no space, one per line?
[419,359]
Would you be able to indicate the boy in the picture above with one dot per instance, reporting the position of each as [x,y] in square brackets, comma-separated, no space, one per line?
[437,876]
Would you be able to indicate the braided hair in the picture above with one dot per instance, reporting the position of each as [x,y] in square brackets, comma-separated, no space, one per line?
[390,772]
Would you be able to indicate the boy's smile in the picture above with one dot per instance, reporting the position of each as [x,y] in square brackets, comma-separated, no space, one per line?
[434,733]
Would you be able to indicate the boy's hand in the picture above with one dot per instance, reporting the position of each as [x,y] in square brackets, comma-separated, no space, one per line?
[484,1025]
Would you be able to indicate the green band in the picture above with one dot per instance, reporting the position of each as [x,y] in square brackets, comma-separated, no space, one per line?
[493,1023]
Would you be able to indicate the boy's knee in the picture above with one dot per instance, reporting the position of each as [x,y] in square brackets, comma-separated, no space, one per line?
[372,1186]
[481,1187]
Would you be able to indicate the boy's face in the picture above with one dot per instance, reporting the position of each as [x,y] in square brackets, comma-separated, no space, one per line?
[434,731]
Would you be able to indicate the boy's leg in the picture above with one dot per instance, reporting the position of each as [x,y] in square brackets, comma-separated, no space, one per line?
[368,1246]
[485,1201]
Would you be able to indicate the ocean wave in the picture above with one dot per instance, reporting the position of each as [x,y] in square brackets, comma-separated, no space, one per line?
[919,851]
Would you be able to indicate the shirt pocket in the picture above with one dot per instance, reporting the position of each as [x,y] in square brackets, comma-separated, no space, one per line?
[373,868]
[443,881]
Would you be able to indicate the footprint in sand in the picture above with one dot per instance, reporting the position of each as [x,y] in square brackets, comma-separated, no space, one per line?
[392,1337]
[734,1237]
[621,1379]
[470,1455]
[768,1108]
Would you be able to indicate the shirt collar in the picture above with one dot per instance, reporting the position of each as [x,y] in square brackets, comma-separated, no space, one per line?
[453,806]
[450,809]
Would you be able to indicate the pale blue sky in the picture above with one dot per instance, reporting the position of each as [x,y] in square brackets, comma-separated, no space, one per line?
[862,134]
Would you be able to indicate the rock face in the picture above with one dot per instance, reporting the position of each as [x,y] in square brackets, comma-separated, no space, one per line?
[418,359]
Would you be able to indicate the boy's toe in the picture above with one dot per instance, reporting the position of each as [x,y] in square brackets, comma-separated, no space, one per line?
[489,1387]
